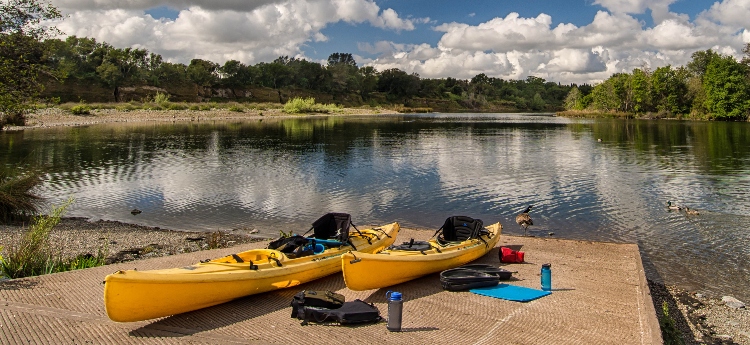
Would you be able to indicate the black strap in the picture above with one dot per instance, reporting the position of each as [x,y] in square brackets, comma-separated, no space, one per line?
[355,228]
[438,231]
[237,258]
[253,266]
[436,248]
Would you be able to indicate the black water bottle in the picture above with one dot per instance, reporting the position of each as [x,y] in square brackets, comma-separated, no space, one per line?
[395,309]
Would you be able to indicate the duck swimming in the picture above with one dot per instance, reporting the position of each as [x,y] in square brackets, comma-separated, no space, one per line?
[673,207]
[691,212]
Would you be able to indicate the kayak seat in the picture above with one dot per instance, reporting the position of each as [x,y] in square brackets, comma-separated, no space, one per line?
[459,229]
[332,226]
[335,226]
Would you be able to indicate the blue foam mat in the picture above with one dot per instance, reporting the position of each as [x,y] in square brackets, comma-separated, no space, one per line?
[511,292]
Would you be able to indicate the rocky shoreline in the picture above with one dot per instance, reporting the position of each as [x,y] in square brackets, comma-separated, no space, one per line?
[56,117]
[700,319]
[121,242]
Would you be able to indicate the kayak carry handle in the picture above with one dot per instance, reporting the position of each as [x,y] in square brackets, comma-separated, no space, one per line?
[356,260]
[253,267]
[277,261]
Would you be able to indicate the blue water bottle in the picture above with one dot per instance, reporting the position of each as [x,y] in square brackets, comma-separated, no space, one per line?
[547,277]
[395,307]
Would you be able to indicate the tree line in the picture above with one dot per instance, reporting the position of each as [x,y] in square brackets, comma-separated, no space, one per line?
[710,86]
[86,59]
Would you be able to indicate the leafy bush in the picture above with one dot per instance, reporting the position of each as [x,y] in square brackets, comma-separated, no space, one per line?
[80,109]
[161,98]
[16,198]
[307,105]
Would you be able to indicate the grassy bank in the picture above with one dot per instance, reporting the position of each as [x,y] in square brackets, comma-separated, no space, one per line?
[626,115]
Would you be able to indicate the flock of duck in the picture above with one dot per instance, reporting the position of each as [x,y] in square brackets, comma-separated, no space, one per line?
[524,220]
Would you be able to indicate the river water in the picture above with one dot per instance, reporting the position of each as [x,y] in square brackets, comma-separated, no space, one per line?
[282,174]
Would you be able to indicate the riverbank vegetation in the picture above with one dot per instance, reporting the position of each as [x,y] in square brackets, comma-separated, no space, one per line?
[34,255]
[82,71]
[711,86]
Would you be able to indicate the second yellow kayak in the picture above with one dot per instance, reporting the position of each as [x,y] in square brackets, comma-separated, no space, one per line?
[365,271]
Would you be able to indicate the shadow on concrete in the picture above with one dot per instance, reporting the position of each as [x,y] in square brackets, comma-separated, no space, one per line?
[250,307]
[232,312]
[18,284]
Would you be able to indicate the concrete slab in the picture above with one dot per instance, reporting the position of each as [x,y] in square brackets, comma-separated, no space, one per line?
[600,296]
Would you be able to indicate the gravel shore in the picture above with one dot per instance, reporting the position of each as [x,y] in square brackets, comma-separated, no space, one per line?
[55,117]
[126,242]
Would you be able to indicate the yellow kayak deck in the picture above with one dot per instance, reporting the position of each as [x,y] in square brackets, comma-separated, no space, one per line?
[365,271]
[141,295]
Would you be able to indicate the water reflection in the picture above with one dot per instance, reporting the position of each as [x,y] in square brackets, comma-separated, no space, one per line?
[418,170]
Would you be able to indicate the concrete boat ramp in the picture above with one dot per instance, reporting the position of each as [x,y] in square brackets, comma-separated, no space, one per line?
[600,296]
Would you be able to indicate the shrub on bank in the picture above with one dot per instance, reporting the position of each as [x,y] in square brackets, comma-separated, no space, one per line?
[307,105]
[34,254]
[80,109]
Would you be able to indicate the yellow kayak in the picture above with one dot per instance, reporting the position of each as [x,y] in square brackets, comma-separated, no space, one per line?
[141,295]
[365,271]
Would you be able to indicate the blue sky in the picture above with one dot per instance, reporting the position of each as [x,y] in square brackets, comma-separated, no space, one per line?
[564,41]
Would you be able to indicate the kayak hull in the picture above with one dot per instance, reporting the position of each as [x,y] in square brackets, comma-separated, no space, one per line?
[366,271]
[141,295]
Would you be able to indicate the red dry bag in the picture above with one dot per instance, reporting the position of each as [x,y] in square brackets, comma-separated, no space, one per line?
[508,255]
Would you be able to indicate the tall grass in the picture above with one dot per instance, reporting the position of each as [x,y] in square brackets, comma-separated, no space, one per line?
[34,255]
[16,198]
[298,105]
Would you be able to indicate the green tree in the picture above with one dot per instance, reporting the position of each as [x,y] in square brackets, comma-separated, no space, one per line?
[727,89]
[343,71]
[23,55]
[701,60]
[670,90]
[203,72]
[573,99]
[369,80]
[604,96]
[397,84]
[640,91]
[123,66]
[537,102]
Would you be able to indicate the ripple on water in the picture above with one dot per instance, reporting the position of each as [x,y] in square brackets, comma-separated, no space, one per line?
[283,175]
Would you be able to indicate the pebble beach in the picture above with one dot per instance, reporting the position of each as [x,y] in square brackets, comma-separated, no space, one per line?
[702,319]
